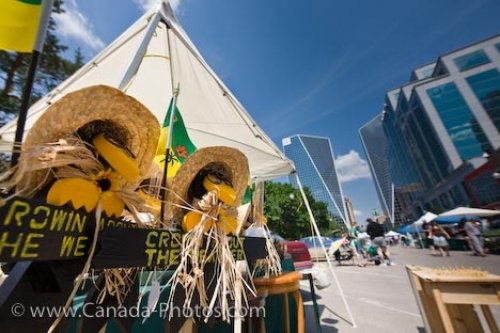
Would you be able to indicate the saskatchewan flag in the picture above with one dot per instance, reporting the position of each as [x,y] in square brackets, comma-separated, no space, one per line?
[181,146]
[19,20]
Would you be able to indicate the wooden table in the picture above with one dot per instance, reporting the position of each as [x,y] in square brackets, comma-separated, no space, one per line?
[447,301]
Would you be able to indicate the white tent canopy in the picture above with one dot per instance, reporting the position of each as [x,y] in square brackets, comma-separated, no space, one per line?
[467,211]
[427,217]
[147,62]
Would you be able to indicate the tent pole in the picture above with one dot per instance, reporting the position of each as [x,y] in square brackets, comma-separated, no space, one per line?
[134,64]
[163,189]
[175,94]
[330,266]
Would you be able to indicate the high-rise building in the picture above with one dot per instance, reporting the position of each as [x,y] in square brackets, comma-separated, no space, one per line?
[350,210]
[315,164]
[435,131]
[377,151]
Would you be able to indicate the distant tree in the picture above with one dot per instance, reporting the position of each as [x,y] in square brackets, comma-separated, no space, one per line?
[52,68]
[287,215]
[78,61]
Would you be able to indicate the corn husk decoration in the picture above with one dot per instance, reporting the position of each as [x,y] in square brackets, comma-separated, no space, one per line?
[118,283]
[213,180]
[271,265]
[91,149]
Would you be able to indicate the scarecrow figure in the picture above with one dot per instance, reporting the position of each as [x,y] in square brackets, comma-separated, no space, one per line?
[90,150]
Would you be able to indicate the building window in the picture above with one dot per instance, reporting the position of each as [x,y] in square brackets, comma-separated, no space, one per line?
[486,86]
[456,195]
[471,60]
[461,125]
[445,201]
[427,142]
[484,189]
[396,96]
[427,73]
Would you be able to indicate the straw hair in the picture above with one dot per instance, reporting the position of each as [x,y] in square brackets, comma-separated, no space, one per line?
[228,162]
[100,109]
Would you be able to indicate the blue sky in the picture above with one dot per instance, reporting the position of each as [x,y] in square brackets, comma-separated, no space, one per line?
[317,67]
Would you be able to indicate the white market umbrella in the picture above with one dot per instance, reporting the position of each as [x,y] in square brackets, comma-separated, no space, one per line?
[426,217]
[467,211]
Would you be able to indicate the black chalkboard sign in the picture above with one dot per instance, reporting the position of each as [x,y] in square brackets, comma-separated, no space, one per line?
[35,231]
[48,246]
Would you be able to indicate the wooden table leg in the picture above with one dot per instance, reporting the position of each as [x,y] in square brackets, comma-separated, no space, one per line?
[489,318]
[300,311]
[287,313]
[443,312]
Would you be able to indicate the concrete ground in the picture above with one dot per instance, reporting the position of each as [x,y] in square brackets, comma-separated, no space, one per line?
[381,298]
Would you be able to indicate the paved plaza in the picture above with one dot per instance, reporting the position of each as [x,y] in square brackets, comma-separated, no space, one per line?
[381,298]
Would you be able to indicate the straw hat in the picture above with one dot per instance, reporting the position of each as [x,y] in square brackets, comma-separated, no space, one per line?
[95,110]
[229,164]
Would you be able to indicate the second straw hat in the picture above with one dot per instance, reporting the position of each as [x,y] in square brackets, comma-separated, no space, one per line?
[231,162]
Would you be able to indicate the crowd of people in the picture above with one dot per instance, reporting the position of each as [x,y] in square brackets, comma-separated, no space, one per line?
[468,229]
[351,247]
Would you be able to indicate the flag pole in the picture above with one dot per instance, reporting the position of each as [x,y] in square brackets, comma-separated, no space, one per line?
[28,85]
[19,269]
[163,190]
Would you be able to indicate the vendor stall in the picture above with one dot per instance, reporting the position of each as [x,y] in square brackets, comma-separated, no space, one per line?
[127,194]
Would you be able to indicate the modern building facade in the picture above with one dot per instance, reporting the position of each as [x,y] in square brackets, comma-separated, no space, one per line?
[437,129]
[315,164]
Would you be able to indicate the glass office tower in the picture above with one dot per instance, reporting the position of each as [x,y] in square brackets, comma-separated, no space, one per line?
[315,164]
[440,127]
[377,152]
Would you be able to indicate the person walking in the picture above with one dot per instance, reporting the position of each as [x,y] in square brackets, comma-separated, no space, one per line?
[376,232]
[439,236]
[355,245]
[473,231]
[427,230]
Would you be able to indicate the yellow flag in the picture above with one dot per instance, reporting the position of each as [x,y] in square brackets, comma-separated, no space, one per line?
[19,20]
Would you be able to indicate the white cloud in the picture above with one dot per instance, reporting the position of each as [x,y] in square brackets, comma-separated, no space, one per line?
[146,5]
[73,24]
[358,213]
[352,167]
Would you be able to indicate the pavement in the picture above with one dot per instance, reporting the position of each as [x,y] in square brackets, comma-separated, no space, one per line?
[381,298]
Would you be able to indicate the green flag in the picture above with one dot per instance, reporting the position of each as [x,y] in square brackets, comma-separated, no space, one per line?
[181,146]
